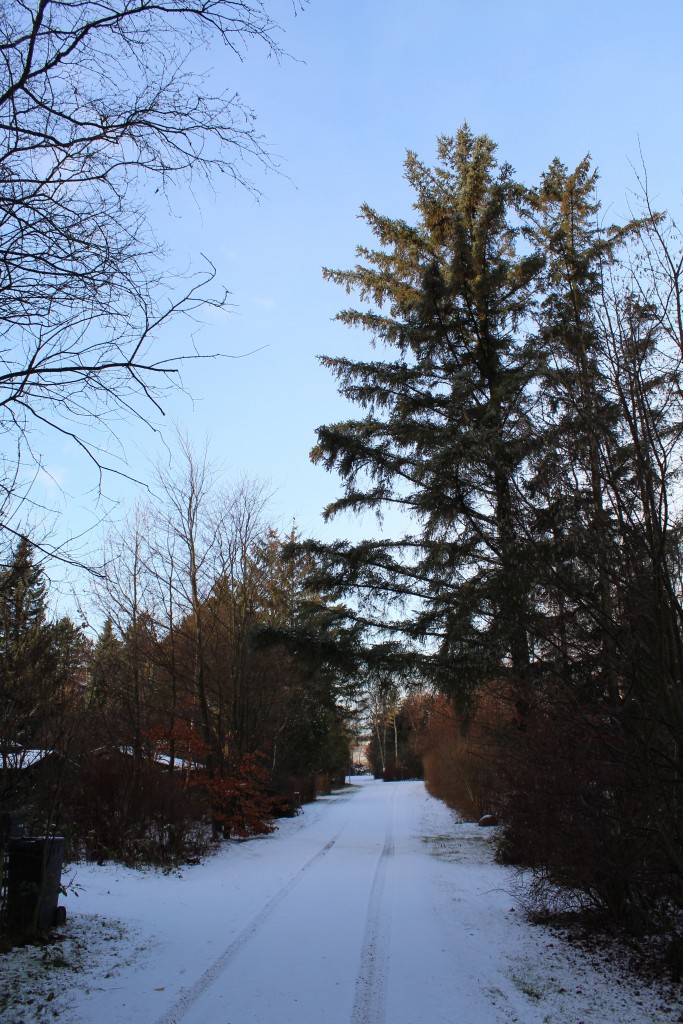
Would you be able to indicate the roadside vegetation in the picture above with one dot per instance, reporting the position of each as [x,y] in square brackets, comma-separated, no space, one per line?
[188,719]
[521,420]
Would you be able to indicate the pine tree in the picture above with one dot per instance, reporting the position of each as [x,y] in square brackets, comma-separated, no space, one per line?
[108,675]
[446,431]
[571,516]
[25,648]
[41,670]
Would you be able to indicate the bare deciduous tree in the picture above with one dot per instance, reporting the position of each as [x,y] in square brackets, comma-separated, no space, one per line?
[103,102]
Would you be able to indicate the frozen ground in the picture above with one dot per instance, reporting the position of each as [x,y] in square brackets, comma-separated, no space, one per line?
[375,906]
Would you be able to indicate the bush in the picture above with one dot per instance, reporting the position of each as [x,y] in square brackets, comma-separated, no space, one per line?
[461,766]
[135,812]
[574,816]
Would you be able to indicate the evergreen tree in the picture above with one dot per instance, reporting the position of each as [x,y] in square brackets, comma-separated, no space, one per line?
[25,648]
[447,426]
[108,720]
[293,649]
[42,669]
[578,447]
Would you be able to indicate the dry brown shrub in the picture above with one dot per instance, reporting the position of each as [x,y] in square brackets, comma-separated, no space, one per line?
[460,758]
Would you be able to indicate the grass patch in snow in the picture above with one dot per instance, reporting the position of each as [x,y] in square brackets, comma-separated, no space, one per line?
[467,848]
[529,987]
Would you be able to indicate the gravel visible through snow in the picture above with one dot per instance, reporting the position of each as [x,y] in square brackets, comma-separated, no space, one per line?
[374,906]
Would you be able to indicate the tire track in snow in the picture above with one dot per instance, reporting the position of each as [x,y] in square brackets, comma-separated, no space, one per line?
[190,995]
[369,1004]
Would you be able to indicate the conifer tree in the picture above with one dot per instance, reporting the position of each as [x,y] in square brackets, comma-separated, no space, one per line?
[25,643]
[41,667]
[446,428]
[577,425]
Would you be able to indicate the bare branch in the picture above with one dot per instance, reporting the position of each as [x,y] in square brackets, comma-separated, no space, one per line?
[101,103]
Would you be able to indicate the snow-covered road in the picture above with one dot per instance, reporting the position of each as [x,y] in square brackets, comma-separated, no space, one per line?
[376,905]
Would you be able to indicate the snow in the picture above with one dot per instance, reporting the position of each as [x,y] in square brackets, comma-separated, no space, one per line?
[374,905]
[159,758]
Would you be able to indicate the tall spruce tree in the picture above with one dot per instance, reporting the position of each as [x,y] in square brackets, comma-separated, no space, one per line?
[577,425]
[25,648]
[446,430]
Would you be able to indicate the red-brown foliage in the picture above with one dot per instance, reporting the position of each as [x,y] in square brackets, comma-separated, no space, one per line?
[461,765]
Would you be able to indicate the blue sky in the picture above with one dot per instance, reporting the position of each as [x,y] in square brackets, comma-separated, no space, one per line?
[367,80]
